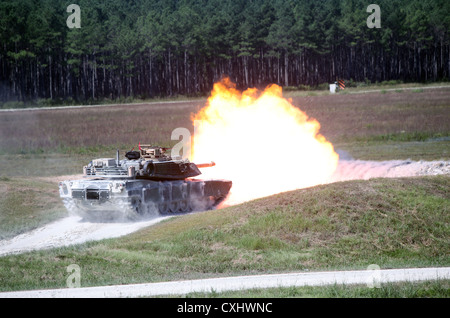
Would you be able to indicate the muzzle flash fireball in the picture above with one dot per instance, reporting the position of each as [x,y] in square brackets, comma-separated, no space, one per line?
[261,142]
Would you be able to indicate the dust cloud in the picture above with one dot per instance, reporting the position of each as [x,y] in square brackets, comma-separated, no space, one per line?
[351,169]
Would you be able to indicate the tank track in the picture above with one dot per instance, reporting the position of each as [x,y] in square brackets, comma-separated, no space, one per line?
[146,198]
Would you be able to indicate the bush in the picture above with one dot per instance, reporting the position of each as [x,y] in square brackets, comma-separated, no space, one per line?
[322,87]
[44,102]
[304,87]
[289,88]
[13,104]
[391,82]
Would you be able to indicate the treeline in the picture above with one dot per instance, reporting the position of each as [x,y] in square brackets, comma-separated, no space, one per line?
[166,47]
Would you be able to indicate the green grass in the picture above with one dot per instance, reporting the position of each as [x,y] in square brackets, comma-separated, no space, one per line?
[390,150]
[48,164]
[26,204]
[390,222]
[404,136]
[427,289]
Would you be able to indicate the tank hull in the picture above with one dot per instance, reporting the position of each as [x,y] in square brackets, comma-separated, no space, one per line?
[103,199]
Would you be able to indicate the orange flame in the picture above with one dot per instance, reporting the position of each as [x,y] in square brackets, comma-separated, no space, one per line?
[261,142]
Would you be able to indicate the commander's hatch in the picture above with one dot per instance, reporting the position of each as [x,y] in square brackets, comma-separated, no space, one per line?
[152,152]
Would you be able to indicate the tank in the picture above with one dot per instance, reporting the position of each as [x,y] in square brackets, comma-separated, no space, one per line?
[145,182]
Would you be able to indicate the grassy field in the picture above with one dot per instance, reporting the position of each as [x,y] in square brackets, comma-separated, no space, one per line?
[25,204]
[321,228]
[428,289]
[372,126]
[349,225]
[395,116]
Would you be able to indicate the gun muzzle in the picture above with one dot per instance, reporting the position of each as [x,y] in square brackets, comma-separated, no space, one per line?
[206,165]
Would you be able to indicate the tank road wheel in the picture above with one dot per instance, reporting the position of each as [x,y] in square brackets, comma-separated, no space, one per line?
[185,205]
[138,208]
[174,206]
[163,207]
[164,197]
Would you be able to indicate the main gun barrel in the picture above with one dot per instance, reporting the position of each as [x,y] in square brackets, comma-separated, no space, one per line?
[205,165]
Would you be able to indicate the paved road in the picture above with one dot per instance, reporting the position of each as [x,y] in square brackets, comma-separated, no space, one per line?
[372,278]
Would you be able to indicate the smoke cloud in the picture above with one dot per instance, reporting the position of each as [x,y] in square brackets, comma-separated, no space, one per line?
[350,169]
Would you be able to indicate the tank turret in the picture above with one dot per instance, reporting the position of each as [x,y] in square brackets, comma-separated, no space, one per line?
[145,181]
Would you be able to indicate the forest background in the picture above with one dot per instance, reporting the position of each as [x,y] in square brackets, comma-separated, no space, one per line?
[145,49]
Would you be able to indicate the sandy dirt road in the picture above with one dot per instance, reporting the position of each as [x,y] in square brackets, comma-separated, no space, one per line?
[69,231]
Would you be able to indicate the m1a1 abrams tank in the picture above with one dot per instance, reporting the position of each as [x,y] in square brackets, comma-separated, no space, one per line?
[145,181]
